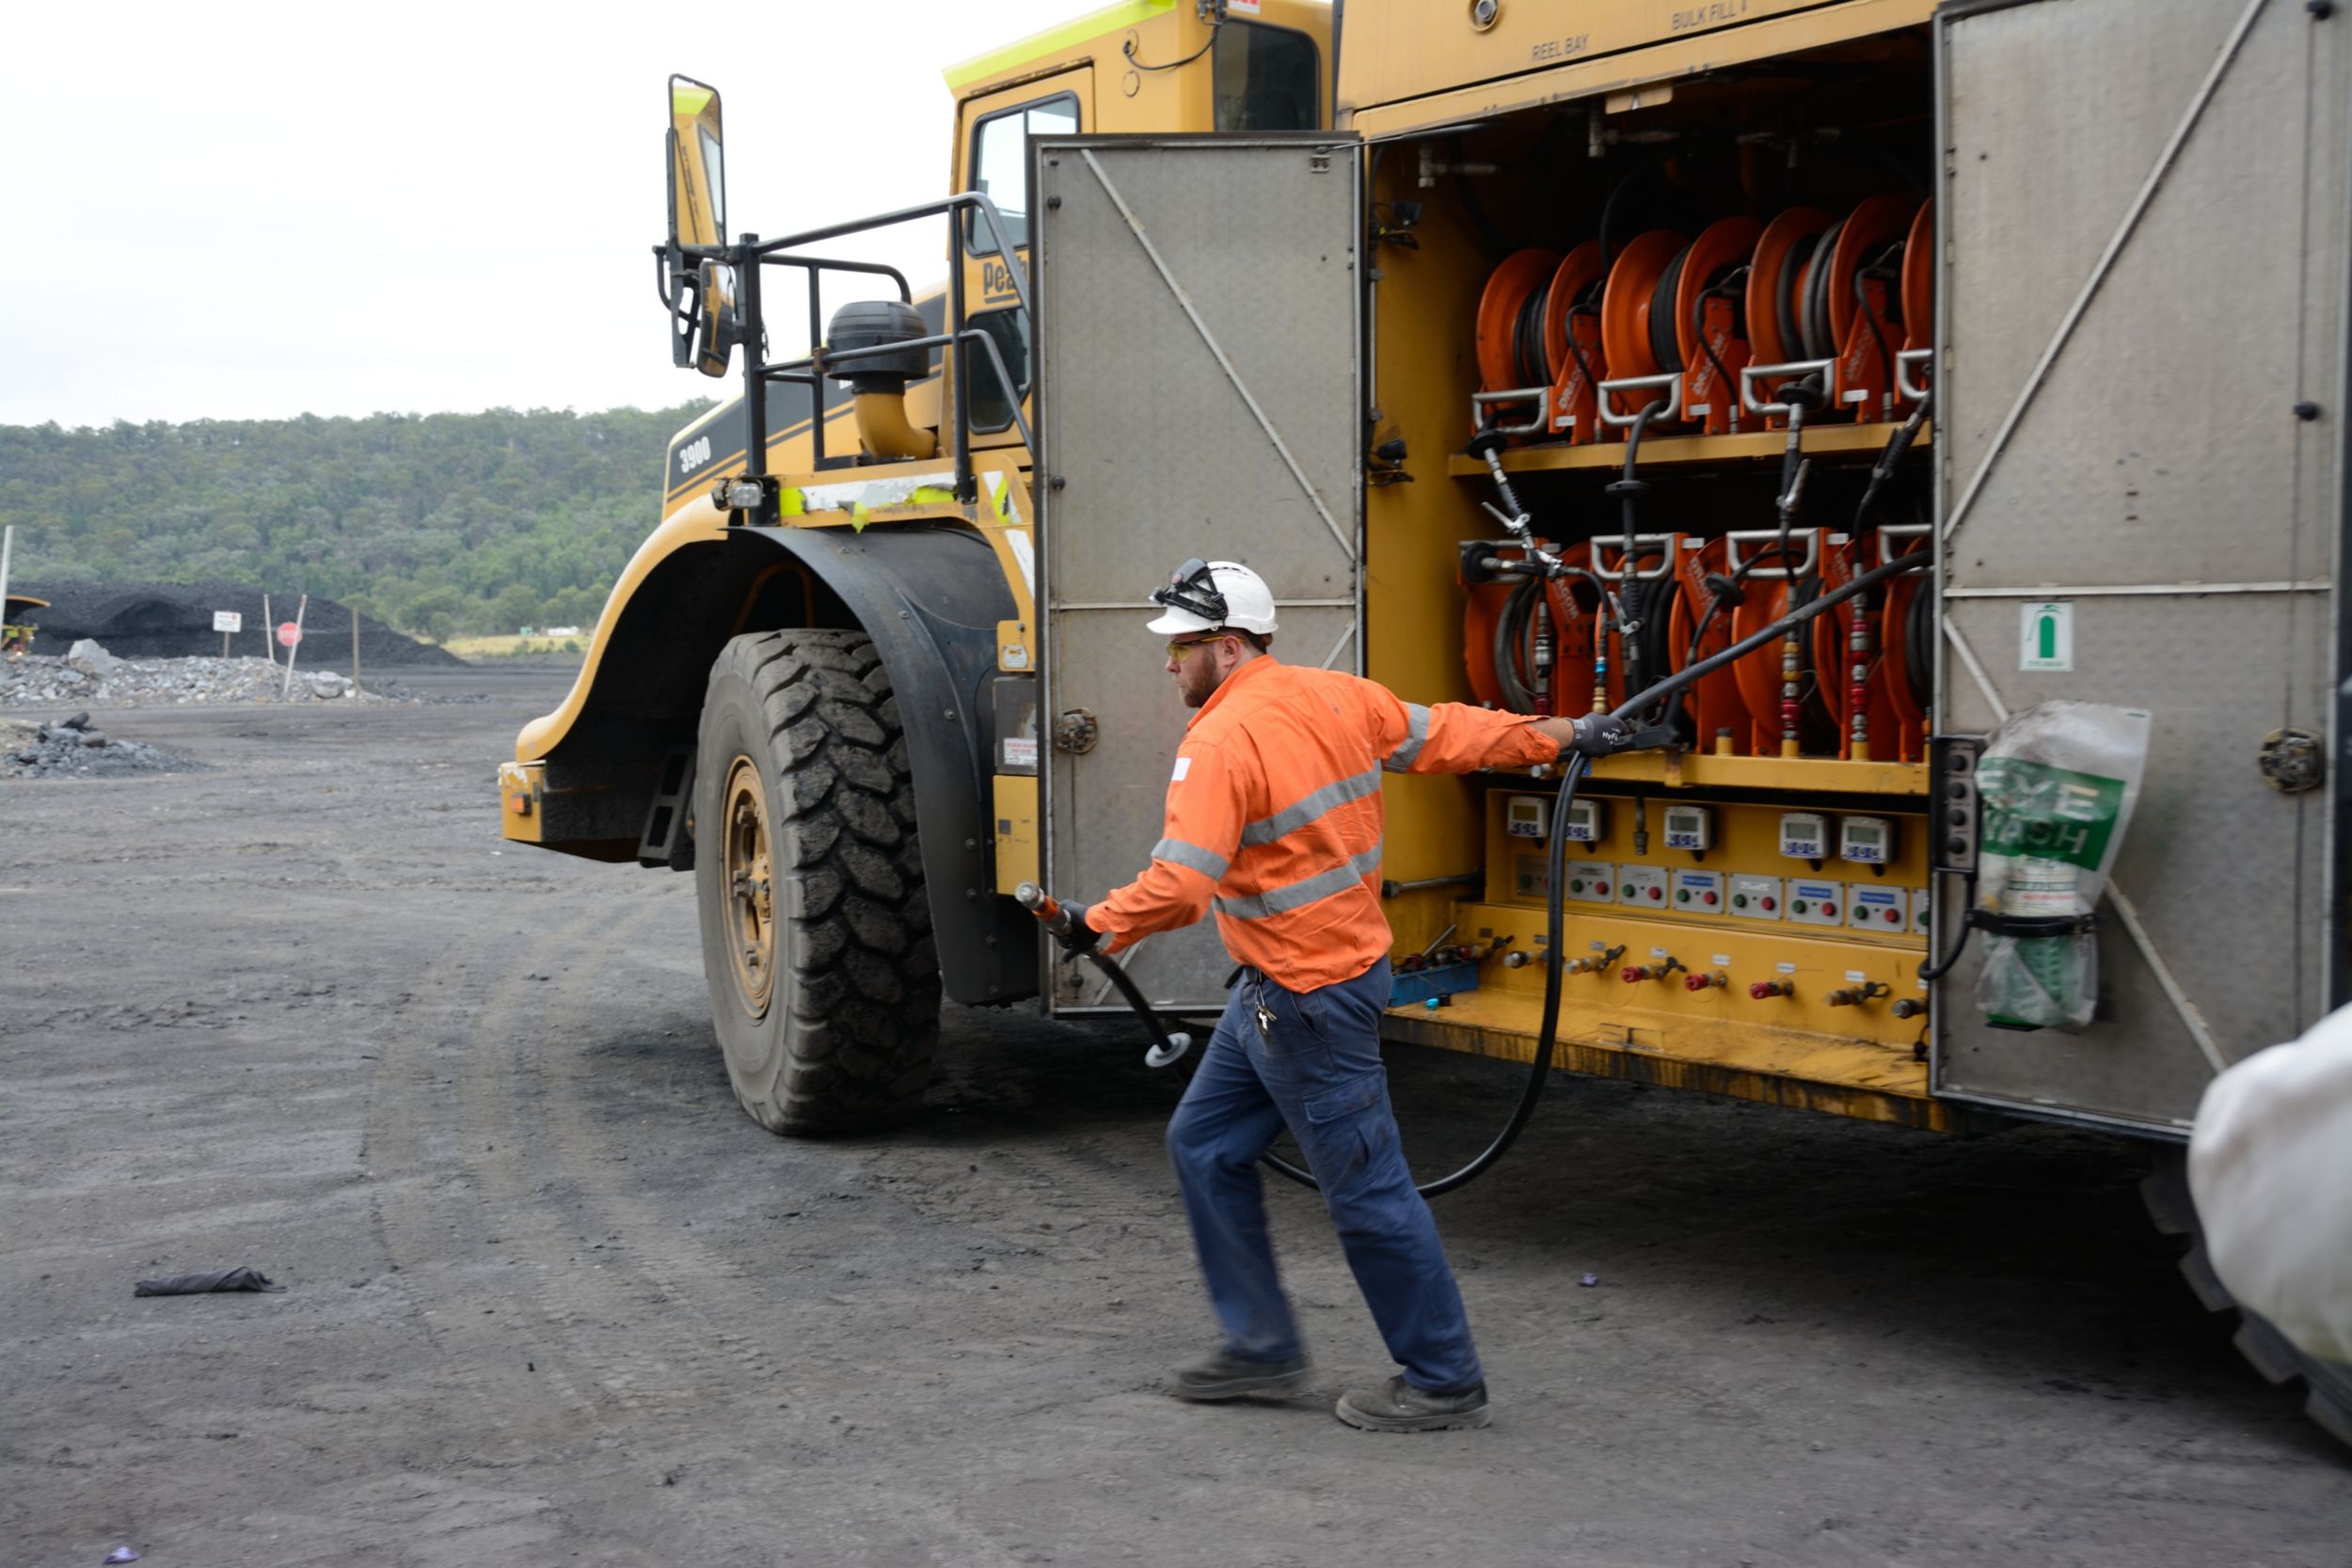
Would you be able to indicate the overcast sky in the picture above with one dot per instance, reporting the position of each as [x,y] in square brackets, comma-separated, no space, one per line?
[251,211]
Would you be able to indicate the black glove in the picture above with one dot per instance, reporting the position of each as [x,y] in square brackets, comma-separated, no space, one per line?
[1072,931]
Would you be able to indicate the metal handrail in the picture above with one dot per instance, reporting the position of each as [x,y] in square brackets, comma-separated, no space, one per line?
[751,253]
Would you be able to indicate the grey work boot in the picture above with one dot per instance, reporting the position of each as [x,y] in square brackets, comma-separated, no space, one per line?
[1396,1405]
[1227,1376]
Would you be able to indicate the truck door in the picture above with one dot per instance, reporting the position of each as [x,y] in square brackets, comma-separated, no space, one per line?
[994,161]
[2139,381]
[1197,375]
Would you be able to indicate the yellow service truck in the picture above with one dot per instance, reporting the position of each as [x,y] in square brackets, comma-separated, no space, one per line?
[1908,436]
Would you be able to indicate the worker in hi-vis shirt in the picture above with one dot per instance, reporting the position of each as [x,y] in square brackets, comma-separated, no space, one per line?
[1274,822]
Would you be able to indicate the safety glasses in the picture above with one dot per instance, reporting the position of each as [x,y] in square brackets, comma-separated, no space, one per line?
[1179,647]
[1192,591]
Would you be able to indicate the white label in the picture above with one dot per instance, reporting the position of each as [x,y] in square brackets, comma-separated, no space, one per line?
[2045,636]
[1785,968]
[1021,751]
[1659,953]
[1719,959]
[1857,977]
[227,620]
[1183,766]
[1013,655]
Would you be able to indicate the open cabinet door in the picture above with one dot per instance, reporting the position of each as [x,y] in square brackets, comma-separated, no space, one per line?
[2142,322]
[1198,310]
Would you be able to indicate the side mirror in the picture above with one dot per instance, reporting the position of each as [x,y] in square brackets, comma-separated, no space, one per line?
[700,291]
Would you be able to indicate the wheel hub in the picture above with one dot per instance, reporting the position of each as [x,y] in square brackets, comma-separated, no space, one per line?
[750,895]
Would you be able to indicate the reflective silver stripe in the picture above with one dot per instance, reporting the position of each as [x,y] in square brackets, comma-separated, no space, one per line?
[1416,730]
[1297,816]
[1190,856]
[1322,884]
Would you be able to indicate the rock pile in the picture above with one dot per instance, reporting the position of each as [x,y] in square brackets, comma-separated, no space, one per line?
[174,620]
[90,675]
[76,748]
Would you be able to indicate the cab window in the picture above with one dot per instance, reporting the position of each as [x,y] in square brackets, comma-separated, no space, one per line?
[1000,161]
[1265,78]
[991,406]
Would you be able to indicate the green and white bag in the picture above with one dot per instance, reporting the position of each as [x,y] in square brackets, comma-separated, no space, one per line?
[2058,783]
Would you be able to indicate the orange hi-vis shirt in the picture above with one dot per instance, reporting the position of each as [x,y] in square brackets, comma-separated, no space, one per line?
[1274,816]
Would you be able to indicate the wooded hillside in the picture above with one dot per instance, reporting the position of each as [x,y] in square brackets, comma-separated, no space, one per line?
[438,524]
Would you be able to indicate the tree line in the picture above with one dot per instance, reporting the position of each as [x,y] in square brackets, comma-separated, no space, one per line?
[438,524]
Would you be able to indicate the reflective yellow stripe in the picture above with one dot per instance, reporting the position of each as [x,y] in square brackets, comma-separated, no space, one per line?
[997,62]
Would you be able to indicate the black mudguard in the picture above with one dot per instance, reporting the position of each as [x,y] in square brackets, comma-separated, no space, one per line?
[931,598]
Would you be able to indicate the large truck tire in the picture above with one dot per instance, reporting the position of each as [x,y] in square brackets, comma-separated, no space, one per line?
[2327,1386]
[815,925]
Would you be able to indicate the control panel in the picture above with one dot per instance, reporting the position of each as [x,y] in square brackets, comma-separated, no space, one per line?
[1698,891]
[1527,816]
[1756,897]
[1812,903]
[1592,882]
[1641,886]
[1531,879]
[1871,908]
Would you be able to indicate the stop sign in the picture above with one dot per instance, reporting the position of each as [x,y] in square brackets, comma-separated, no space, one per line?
[288,634]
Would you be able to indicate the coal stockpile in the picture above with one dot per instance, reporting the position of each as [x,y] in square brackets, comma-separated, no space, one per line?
[174,620]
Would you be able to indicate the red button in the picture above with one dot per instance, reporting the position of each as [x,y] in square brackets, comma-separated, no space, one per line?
[1770,904]
[1658,892]
[1708,896]
[1894,917]
[1830,910]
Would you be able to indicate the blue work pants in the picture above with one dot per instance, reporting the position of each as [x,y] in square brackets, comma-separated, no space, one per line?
[1315,1067]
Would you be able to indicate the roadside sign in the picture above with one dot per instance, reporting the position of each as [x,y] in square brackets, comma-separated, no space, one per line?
[227,620]
[288,634]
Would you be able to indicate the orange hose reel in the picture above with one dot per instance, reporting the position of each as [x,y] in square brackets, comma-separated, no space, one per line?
[1574,620]
[1861,303]
[1918,292]
[1718,715]
[1572,336]
[1711,335]
[1627,300]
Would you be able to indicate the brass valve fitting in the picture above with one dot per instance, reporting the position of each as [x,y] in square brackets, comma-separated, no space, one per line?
[1764,990]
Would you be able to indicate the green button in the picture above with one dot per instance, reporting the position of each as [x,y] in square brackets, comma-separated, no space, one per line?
[1682,895]
[1629,890]
[1739,900]
[1576,885]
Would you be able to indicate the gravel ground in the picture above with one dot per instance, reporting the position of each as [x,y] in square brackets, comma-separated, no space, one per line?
[552,1298]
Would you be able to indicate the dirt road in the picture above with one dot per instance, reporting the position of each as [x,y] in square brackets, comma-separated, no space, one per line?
[553,1299]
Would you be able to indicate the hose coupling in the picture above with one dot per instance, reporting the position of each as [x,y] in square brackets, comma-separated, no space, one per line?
[1764,990]
[1854,996]
[1910,1007]
[1633,974]
[1707,981]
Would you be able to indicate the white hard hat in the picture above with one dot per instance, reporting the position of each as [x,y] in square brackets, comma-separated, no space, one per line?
[1211,595]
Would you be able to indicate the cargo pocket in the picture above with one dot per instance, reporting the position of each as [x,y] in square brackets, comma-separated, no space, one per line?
[1360,1093]
[1347,1136]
